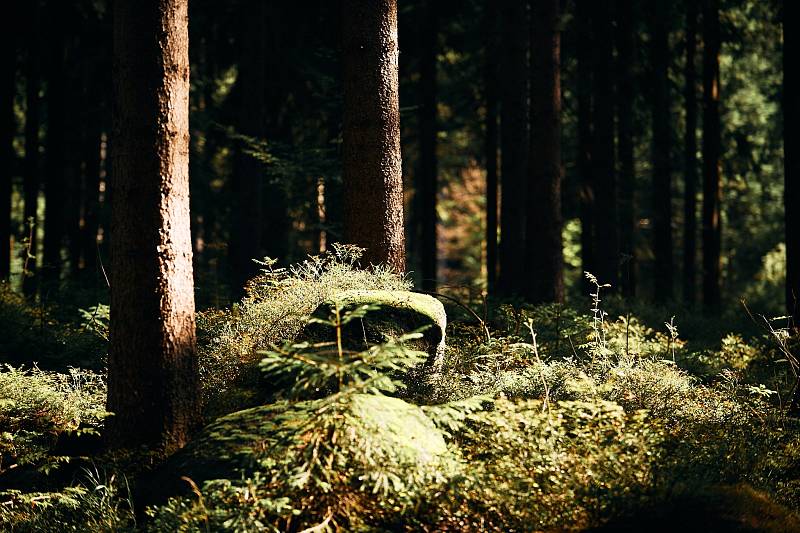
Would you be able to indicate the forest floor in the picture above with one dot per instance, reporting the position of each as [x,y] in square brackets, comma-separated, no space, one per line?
[596,417]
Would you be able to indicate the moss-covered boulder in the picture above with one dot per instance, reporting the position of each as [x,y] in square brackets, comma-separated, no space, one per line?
[398,313]
[375,433]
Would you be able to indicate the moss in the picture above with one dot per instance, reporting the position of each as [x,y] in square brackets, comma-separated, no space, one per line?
[399,312]
[375,427]
[402,426]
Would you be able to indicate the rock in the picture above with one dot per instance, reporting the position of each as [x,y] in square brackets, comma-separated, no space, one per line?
[400,312]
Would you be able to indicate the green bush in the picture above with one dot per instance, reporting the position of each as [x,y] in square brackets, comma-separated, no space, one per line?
[36,406]
[337,453]
[98,504]
[276,307]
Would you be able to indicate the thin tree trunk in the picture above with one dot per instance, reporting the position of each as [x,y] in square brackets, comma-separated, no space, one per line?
[91,180]
[626,44]
[662,171]
[31,179]
[80,129]
[712,197]
[543,244]
[372,166]
[514,145]
[584,96]
[8,89]
[248,237]
[55,161]
[153,384]
[490,147]
[690,160]
[606,227]
[791,161]
[427,148]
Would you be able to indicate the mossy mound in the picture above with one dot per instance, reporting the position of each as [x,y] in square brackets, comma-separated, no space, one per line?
[399,312]
[374,430]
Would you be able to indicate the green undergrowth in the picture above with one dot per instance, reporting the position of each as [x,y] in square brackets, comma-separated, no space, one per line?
[560,419]
[276,306]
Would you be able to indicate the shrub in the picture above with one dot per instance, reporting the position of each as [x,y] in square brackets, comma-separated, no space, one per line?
[276,307]
[98,504]
[36,406]
[338,453]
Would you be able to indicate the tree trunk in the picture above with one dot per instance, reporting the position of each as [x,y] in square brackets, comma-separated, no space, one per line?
[626,43]
[247,237]
[55,188]
[662,172]
[427,147]
[91,182]
[8,89]
[81,125]
[712,196]
[490,146]
[514,145]
[791,161]
[690,160]
[31,180]
[606,227]
[276,225]
[372,167]
[543,245]
[153,384]
[583,14]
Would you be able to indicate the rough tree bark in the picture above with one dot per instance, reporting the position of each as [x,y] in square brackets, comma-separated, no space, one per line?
[428,182]
[662,171]
[690,160]
[372,169]
[583,13]
[543,244]
[712,196]
[490,143]
[606,227]
[626,53]
[513,144]
[153,385]
[31,178]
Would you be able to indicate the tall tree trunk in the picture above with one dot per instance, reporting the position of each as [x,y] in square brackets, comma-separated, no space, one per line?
[276,225]
[606,227]
[690,160]
[427,146]
[626,44]
[91,181]
[55,161]
[153,384]
[712,196]
[583,14]
[513,144]
[490,146]
[249,179]
[31,180]
[543,244]
[372,167]
[79,122]
[8,90]
[791,161]
[662,171]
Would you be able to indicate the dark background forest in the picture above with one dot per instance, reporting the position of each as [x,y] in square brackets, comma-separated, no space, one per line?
[415,265]
[266,121]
